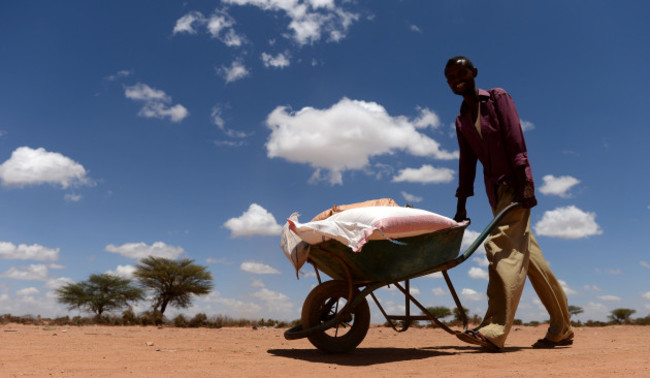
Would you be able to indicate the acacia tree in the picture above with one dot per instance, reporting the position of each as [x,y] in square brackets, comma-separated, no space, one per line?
[621,315]
[101,292]
[173,282]
[575,310]
[439,312]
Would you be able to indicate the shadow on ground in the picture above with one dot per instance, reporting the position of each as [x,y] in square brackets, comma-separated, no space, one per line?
[375,356]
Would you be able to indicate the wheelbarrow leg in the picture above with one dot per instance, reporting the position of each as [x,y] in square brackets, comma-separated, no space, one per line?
[459,306]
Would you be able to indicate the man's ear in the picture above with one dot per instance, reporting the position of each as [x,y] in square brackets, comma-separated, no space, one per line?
[475,72]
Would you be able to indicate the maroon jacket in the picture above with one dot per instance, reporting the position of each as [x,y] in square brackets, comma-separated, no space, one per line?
[501,150]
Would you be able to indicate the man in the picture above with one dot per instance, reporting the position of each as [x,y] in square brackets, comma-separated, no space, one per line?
[488,129]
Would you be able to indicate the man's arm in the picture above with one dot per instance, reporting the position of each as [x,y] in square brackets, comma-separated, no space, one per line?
[515,145]
[466,175]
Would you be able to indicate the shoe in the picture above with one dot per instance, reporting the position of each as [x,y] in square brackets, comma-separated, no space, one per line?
[475,337]
[548,344]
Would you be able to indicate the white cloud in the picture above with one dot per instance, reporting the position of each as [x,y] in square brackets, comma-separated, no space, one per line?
[558,186]
[236,308]
[186,23]
[258,268]
[71,197]
[235,72]
[34,272]
[526,125]
[156,103]
[279,61]
[344,137]
[646,295]
[434,275]
[56,283]
[468,238]
[309,19]
[438,291]
[255,221]
[426,174]
[28,291]
[124,271]
[427,118]
[612,298]
[410,197]
[471,295]
[119,75]
[415,28]
[645,264]
[217,119]
[10,251]
[28,166]
[142,250]
[591,287]
[567,290]
[568,223]
[478,273]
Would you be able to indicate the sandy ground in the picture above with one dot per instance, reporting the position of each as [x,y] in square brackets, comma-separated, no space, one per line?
[100,351]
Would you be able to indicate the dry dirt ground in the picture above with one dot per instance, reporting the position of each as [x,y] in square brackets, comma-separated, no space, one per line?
[100,351]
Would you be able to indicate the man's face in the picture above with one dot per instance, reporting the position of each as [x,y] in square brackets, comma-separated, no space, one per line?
[461,79]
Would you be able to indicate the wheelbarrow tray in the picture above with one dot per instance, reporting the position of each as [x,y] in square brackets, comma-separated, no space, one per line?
[389,261]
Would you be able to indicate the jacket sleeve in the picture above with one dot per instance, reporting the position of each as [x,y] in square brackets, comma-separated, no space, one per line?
[466,166]
[513,135]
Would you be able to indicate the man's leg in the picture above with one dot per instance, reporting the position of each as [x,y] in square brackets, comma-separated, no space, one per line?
[551,294]
[507,252]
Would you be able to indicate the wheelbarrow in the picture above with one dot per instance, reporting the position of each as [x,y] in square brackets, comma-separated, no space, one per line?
[335,315]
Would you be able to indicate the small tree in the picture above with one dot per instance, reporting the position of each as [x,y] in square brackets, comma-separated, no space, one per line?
[575,310]
[173,282]
[100,293]
[458,316]
[439,312]
[621,315]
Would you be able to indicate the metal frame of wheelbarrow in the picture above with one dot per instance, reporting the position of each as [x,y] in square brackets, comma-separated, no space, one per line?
[354,300]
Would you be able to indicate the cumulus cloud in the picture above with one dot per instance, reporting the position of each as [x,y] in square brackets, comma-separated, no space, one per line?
[34,272]
[236,71]
[309,19]
[142,250]
[254,221]
[645,264]
[10,251]
[28,166]
[345,137]
[471,295]
[558,186]
[156,103]
[568,223]
[279,61]
[410,197]
[646,295]
[258,268]
[468,238]
[438,291]
[426,174]
[567,290]
[187,23]
[124,271]
[219,25]
[526,125]
[28,291]
[478,273]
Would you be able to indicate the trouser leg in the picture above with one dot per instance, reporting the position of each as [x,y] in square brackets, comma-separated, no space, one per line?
[508,253]
[550,293]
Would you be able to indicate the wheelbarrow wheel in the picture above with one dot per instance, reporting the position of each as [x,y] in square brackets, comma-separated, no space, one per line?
[322,304]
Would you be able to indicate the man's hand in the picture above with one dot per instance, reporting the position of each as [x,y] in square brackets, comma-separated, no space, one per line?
[525,190]
[461,213]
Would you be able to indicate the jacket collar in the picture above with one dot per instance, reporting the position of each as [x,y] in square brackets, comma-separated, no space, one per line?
[483,96]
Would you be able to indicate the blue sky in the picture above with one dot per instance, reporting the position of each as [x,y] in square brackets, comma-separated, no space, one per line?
[195,129]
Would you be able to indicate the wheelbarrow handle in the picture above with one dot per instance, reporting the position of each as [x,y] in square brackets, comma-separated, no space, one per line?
[481,238]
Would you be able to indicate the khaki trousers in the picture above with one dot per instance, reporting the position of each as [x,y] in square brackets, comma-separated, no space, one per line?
[514,254]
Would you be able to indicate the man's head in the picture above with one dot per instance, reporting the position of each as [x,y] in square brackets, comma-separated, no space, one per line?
[460,74]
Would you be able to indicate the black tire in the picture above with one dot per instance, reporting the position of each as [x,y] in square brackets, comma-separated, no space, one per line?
[322,304]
